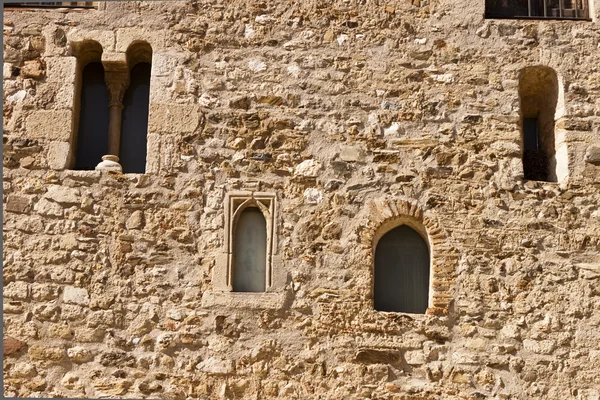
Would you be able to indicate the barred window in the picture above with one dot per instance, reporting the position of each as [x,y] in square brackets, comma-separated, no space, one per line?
[537,9]
[53,4]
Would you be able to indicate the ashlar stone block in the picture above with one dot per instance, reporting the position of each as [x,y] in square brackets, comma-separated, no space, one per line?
[49,124]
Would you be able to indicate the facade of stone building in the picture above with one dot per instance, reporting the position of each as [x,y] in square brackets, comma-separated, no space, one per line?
[339,121]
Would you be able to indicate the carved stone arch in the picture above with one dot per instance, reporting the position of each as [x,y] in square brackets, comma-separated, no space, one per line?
[386,214]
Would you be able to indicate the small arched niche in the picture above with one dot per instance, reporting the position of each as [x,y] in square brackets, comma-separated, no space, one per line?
[249,270]
[91,106]
[401,271]
[136,102]
[538,96]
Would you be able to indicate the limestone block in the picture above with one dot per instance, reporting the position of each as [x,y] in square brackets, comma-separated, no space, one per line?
[7,71]
[17,290]
[136,220]
[592,154]
[12,345]
[61,69]
[313,195]
[174,118]
[48,208]
[63,195]
[105,38]
[75,295]
[58,155]
[49,124]
[414,357]
[126,36]
[41,352]
[33,69]
[539,346]
[216,366]
[165,63]
[309,168]
[18,204]
[24,370]
[352,154]
[79,354]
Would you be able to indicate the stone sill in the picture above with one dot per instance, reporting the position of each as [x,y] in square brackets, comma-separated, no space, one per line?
[245,300]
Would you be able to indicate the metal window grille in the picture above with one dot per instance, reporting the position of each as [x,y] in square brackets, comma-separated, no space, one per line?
[537,9]
[53,4]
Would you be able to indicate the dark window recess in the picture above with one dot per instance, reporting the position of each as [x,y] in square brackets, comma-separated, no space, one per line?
[402,272]
[92,138]
[537,9]
[250,252]
[538,93]
[134,127]
[52,4]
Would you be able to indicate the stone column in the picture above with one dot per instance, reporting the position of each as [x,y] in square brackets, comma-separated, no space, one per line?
[116,76]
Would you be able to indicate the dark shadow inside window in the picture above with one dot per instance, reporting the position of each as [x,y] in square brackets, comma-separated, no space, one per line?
[250,252]
[538,94]
[537,9]
[402,272]
[134,127]
[92,138]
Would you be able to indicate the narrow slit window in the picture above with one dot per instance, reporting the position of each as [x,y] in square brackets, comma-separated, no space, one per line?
[250,252]
[134,128]
[538,95]
[402,272]
[92,139]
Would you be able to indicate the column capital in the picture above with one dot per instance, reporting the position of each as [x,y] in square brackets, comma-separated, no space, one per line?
[116,83]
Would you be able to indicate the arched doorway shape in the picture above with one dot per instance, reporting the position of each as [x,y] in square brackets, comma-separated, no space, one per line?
[402,269]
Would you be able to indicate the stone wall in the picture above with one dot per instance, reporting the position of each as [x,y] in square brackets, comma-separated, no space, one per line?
[358,115]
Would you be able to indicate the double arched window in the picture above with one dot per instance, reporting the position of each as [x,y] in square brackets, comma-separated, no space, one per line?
[401,272]
[113,107]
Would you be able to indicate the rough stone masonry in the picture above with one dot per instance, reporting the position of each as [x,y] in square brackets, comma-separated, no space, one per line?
[357,115]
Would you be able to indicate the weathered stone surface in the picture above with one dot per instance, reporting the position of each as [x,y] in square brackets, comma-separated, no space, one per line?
[58,155]
[308,168]
[18,204]
[73,295]
[12,345]
[359,117]
[63,195]
[216,366]
[49,124]
[592,154]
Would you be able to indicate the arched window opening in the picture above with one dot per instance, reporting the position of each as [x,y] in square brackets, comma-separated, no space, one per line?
[538,94]
[250,252]
[92,139]
[402,272]
[134,128]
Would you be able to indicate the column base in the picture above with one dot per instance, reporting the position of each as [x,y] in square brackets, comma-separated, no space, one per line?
[109,163]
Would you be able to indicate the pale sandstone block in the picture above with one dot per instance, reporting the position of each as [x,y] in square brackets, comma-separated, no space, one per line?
[58,155]
[75,295]
[126,36]
[61,69]
[63,195]
[174,118]
[49,124]
[105,38]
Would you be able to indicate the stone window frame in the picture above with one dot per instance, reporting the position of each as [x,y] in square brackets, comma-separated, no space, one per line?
[117,69]
[275,295]
[235,204]
[383,215]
